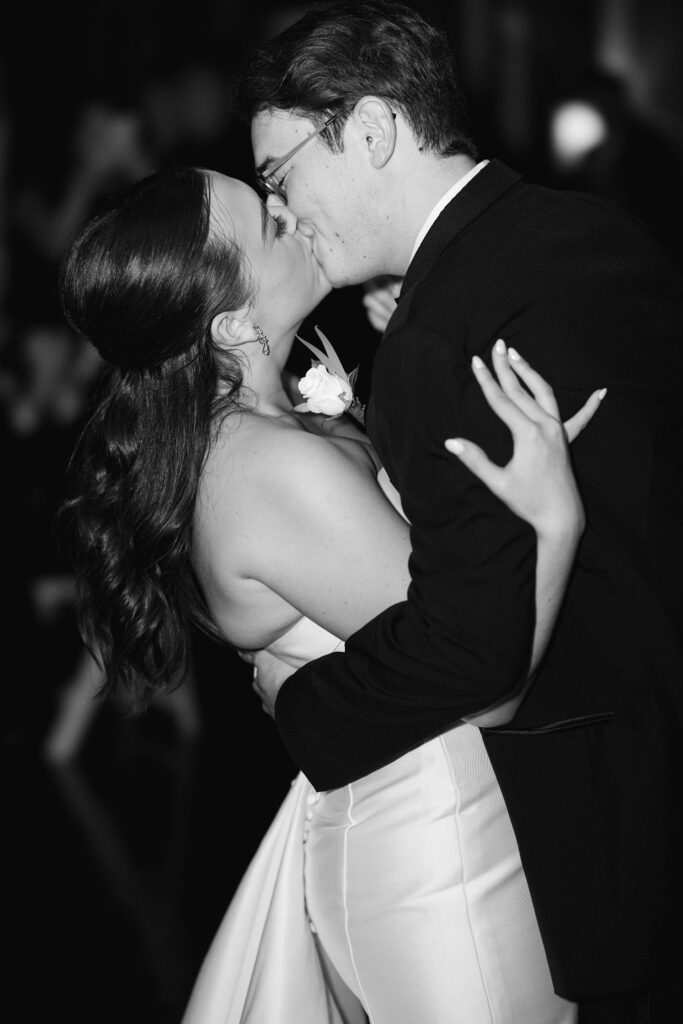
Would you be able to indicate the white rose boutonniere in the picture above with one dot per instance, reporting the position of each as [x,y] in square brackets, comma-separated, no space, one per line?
[327,387]
[325,392]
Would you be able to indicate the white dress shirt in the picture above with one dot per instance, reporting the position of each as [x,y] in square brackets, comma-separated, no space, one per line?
[443,202]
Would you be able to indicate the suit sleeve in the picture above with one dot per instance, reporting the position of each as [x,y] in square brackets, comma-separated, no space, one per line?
[462,639]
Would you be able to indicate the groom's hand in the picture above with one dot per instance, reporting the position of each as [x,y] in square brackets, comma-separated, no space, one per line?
[380,299]
[269,674]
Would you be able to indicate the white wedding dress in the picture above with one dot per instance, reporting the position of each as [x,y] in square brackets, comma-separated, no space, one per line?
[411,880]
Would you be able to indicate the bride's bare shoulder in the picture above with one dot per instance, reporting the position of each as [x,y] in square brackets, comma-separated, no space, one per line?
[284,510]
[255,459]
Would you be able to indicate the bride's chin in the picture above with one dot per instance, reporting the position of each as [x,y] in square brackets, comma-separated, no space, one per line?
[327,284]
[324,288]
[323,279]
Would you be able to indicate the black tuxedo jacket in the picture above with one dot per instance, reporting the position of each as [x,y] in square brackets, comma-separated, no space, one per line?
[592,765]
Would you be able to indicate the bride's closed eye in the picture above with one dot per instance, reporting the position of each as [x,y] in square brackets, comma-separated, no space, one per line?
[280,225]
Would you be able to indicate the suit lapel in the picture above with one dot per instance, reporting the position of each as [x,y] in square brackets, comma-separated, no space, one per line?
[484,189]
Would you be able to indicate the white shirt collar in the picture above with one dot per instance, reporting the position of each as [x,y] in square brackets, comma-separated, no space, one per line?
[443,202]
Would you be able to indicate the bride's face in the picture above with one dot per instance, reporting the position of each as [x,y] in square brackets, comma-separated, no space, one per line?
[289,280]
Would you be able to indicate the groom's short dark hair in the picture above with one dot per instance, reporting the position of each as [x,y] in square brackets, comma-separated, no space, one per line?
[340,51]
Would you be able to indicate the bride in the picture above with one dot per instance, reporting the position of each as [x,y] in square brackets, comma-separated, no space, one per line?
[200,494]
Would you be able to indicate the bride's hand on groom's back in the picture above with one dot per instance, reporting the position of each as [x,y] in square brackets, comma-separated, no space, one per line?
[537,483]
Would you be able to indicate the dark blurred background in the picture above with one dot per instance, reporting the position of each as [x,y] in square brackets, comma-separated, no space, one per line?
[126,837]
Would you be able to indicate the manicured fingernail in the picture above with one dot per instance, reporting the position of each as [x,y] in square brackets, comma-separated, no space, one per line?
[514,354]
[602,393]
[455,446]
[477,363]
[500,347]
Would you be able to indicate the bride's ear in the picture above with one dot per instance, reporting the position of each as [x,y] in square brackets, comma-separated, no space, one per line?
[229,330]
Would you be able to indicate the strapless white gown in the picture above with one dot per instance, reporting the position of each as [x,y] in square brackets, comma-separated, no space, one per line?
[411,881]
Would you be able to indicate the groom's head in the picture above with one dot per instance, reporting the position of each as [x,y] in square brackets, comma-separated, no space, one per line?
[354,110]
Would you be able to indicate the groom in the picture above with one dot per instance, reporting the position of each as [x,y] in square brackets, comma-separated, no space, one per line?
[358,125]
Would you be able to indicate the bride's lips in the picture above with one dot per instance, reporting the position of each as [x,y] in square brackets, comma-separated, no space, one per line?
[306,239]
[309,241]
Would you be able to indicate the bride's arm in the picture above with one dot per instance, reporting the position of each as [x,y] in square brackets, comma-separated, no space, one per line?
[322,534]
[558,517]
[343,556]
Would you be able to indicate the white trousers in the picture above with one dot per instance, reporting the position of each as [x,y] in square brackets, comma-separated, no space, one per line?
[415,888]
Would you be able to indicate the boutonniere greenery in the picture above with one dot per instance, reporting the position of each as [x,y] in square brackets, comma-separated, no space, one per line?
[327,388]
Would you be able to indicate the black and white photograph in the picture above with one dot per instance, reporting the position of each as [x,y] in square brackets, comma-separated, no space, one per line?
[341,404]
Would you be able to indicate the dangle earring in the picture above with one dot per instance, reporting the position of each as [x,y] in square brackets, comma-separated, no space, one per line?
[262,339]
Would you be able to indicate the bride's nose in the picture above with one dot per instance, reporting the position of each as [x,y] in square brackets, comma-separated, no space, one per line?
[277,207]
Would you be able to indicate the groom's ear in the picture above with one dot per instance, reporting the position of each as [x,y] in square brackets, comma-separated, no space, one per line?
[377,122]
[231,329]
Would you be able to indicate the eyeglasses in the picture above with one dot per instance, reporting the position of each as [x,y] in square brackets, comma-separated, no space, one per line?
[268,183]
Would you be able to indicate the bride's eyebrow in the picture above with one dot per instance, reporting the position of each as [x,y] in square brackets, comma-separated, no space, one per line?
[264,163]
[265,221]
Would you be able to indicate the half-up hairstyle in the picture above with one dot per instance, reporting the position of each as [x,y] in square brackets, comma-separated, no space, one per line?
[143,282]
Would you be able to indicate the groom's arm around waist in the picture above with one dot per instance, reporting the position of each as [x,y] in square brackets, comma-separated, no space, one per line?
[462,639]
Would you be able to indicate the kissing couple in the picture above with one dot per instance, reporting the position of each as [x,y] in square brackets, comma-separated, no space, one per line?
[467,632]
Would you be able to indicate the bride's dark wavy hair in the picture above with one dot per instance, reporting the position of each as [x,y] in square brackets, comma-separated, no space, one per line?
[143,282]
